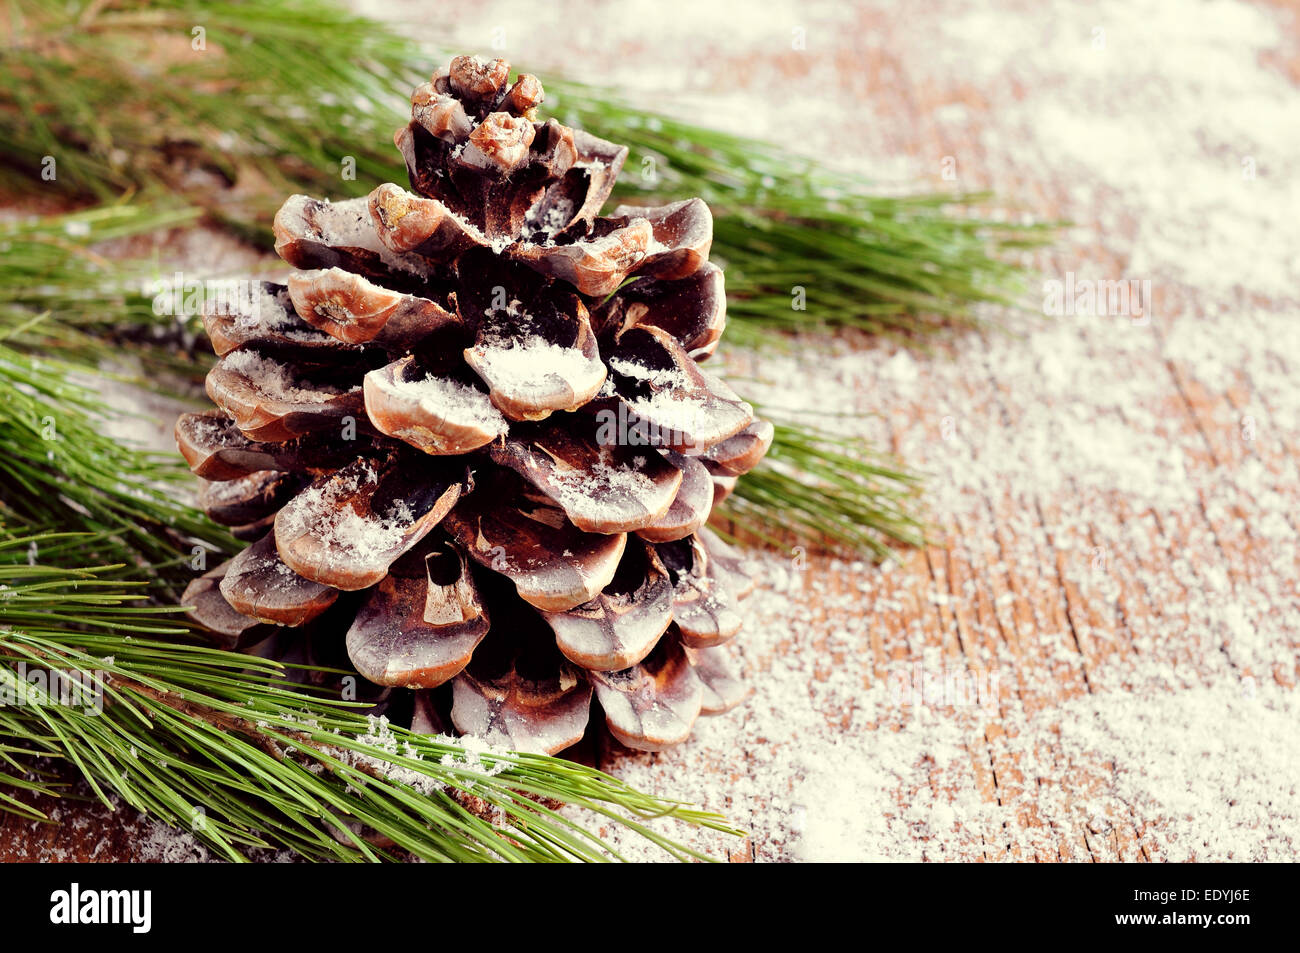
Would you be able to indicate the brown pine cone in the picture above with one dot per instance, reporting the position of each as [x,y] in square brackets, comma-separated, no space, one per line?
[471,434]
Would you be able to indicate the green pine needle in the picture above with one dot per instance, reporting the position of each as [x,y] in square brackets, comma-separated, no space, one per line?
[60,294]
[61,471]
[297,95]
[897,266]
[813,486]
[218,744]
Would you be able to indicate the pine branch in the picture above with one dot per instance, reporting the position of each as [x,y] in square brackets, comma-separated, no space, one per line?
[898,266]
[284,92]
[180,95]
[218,743]
[60,294]
[62,472]
[813,486]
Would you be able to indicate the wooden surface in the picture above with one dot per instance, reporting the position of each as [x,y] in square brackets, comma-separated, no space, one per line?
[1115,496]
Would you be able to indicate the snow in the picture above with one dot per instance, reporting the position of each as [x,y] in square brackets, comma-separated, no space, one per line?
[529,362]
[278,380]
[254,307]
[453,401]
[558,215]
[666,377]
[602,490]
[347,224]
[514,355]
[326,513]
[211,431]
[380,735]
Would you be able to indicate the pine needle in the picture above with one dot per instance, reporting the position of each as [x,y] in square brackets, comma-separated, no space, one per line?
[806,248]
[219,744]
[832,491]
[61,471]
[297,95]
[60,294]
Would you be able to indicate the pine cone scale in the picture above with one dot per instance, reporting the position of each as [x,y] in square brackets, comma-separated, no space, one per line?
[349,526]
[416,630]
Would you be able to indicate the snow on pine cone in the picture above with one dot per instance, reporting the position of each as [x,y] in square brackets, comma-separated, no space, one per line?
[471,433]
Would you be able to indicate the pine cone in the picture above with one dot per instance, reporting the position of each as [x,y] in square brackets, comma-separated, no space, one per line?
[471,432]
